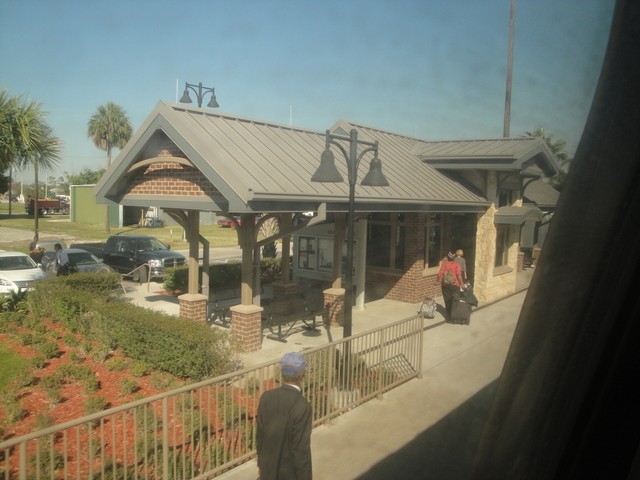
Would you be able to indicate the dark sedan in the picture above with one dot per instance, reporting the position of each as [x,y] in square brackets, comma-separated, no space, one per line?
[80,260]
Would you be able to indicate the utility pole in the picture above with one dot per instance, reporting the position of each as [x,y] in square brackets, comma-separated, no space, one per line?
[507,100]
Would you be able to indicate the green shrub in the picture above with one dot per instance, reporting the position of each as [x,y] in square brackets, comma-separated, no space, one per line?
[175,345]
[70,339]
[222,275]
[6,324]
[90,384]
[47,460]
[75,357]
[48,349]
[44,421]
[29,338]
[162,382]
[14,318]
[228,411]
[13,302]
[39,361]
[100,353]
[51,381]
[139,369]
[52,385]
[128,386]
[95,404]
[63,298]
[23,378]
[13,411]
[116,364]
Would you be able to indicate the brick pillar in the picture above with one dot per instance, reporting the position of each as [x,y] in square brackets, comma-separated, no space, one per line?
[246,326]
[333,313]
[193,306]
[284,297]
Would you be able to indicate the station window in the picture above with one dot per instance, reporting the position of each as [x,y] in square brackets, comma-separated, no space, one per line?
[386,235]
[502,245]
[433,240]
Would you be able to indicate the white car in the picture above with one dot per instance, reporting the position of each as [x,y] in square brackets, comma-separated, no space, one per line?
[18,272]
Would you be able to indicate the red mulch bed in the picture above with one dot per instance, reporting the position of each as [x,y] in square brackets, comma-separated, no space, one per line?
[34,399]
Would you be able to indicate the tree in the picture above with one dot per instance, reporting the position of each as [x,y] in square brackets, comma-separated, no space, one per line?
[84,177]
[109,128]
[26,139]
[557,147]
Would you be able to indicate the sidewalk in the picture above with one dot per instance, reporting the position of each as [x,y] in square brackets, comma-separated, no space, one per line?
[427,428]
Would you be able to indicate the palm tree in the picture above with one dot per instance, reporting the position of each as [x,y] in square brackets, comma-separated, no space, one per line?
[26,139]
[109,127]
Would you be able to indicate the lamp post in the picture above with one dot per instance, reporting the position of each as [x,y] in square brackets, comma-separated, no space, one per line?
[327,172]
[200,93]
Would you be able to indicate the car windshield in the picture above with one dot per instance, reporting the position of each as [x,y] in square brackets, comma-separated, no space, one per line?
[19,262]
[82,258]
[147,244]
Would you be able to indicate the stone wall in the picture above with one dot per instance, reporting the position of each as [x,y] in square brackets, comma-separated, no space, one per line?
[493,283]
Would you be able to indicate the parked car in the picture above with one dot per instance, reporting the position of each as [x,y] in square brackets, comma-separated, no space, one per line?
[225,222]
[80,260]
[126,253]
[18,272]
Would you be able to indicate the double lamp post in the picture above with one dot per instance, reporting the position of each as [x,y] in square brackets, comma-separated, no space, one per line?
[327,172]
[200,93]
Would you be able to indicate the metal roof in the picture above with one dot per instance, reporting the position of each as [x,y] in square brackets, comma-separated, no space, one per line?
[517,215]
[541,194]
[257,166]
[506,154]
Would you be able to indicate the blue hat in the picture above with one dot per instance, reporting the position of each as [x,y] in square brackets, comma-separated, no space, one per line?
[292,363]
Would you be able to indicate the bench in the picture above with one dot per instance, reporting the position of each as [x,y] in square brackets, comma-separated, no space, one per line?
[221,303]
[309,304]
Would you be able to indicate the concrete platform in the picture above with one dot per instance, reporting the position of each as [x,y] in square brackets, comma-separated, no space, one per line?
[427,428]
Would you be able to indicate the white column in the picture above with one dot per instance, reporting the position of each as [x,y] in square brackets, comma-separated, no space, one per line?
[361,261]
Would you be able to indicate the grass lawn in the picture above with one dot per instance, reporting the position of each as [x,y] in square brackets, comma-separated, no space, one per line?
[61,226]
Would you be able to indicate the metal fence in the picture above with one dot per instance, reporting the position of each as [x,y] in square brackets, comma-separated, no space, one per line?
[203,429]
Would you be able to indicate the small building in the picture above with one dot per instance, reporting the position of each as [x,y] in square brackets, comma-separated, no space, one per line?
[441,196]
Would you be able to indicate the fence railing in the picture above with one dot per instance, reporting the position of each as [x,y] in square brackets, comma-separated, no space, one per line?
[204,429]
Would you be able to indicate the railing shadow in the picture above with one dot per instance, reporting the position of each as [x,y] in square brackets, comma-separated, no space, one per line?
[444,451]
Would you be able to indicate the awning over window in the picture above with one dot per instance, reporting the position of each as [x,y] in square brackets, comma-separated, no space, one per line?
[517,215]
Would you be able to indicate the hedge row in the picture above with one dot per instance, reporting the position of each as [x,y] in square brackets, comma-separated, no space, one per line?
[175,345]
[222,275]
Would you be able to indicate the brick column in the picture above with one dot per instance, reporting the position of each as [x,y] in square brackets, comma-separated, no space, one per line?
[520,267]
[246,326]
[193,306]
[284,297]
[333,313]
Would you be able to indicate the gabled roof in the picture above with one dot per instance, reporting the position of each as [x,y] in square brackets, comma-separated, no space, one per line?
[541,194]
[257,166]
[517,215]
[526,155]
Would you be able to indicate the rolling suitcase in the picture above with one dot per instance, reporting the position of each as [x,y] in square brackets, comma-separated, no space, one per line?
[460,312]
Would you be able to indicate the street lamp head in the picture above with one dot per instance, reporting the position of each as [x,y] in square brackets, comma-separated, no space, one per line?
[375,177]
[213,103]
[327,171]
[185,97]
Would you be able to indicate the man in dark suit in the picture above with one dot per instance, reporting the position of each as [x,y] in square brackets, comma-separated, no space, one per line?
[283,437]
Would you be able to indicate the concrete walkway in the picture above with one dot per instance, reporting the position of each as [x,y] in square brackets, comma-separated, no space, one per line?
[427,428]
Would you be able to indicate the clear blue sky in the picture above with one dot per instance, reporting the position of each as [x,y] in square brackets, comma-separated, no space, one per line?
[434,69]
